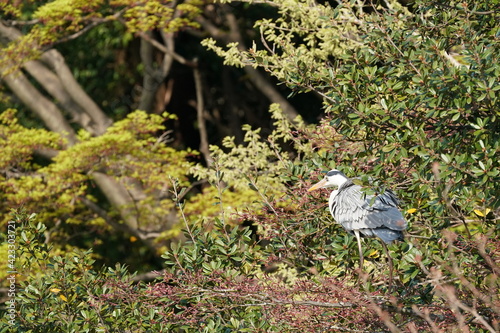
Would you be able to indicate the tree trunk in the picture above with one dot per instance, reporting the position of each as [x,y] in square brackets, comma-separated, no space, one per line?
[258,80]
[56,78]
[154,77]
[40,105]
[100,122]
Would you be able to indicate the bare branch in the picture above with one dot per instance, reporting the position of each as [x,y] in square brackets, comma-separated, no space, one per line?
[46,153]
[200,110]
[40,105]
[121,200]
[118,197]
[66,89]
[259,81]
[274,300]
[148,276]
[100,121]
[456,303]
[482,251]
[51,83]
[426,316]
[164,49]
[78,33]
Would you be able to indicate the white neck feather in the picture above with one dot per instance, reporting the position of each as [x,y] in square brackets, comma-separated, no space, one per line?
[330,200]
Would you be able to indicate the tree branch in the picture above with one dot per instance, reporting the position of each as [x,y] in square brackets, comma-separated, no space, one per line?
[51,83]
[166,50]
[274,300]
[148,276]
[114,224]
[118,197]
[66,89]
[200,110]
[55,60]
[154,77]
[150,83]
[40,105]
[259,81]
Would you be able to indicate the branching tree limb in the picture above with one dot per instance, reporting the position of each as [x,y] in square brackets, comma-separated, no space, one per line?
[62,86]
[40,105]
[259,80]
[99,120]
[200,110]
[154,75]
[63,92]
[177,57]
[51,83]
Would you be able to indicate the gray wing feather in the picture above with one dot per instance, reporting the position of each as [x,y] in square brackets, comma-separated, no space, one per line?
[387,235]
[354,209]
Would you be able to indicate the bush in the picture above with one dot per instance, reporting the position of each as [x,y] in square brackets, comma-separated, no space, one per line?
[296,278]
[403,110]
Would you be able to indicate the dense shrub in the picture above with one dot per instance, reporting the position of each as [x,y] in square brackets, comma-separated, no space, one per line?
[403,110]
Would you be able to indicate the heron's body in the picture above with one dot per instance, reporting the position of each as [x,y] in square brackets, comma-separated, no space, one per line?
[363,214]
[373,217]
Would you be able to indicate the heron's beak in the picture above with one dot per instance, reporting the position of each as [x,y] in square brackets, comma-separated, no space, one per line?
[319,184]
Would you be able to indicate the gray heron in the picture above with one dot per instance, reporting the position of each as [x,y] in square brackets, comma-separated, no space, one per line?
[362,214]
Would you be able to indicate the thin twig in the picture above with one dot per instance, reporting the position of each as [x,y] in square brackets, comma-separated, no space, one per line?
[76,34]
[148,276]
[427,318]
[482,251]
[181,210]
[456,303]
[273,300]
[219,184]
[254,185]
[164,49]
[200,108]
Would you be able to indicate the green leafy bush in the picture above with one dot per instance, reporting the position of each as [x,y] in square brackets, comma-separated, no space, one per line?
[402,110]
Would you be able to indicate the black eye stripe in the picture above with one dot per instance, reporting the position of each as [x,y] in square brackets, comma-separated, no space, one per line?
[333,173]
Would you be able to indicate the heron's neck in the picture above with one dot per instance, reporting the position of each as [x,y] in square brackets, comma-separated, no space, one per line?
[345,183]
[330,200]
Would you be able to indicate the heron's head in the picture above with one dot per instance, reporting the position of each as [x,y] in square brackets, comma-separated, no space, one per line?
[333,178]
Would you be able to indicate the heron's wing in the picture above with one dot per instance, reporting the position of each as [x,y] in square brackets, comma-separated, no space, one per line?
[354,210]
[388,198]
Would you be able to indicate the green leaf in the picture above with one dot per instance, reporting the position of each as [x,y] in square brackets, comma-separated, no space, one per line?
[446,158]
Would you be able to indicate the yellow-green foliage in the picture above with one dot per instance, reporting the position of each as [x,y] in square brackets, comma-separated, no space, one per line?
[205,204]
[67,14]
[127,149]
[56,19]
[257,161]
[17,143]
[284,129]
[10,8]
[128,152]
[251,160]
[250,171]
[306,36]
[148,15]
[4,247]
[61,19]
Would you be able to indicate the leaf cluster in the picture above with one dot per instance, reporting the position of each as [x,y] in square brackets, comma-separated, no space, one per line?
[410,102]
[55,21]
[397,108]
[62,188]
[212,283]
